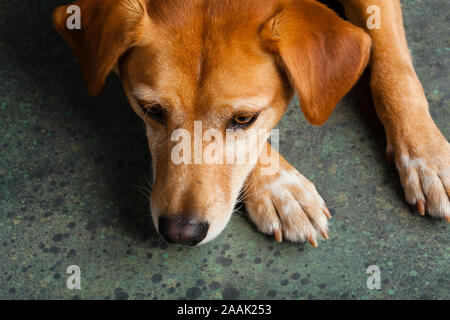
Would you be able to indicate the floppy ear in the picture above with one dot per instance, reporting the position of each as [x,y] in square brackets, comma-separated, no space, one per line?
[323,54]
[108,29]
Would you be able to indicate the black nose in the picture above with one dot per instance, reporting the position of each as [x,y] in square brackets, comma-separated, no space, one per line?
[182,230]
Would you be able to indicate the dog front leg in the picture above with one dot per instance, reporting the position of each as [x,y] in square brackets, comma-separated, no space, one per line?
[285,204]
[421,152]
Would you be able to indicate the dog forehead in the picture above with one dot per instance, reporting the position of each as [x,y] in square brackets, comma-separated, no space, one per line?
[211,13]
[204,56]
[207,81]
[200,36]
[200,70]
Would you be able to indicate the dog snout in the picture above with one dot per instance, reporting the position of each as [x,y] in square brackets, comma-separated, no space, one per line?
[183,230]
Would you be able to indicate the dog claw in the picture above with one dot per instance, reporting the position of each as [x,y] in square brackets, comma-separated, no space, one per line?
[313,241]
[278,235]
[325,235]
[327,213]
[421,207]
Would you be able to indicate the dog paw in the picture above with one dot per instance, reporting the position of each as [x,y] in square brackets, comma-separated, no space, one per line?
[425,177]
[287,205]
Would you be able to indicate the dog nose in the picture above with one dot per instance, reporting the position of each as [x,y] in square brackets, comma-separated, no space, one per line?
[182,230]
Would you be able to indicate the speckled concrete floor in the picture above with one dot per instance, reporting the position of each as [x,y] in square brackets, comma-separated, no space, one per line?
[70,166]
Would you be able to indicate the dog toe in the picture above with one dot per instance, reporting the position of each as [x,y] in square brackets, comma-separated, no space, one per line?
[426,185]
[290,208]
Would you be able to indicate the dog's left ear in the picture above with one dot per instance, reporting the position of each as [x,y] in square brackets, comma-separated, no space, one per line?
[108,29]
[323,55]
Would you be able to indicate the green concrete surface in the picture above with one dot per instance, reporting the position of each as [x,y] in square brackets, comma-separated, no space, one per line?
[71,167]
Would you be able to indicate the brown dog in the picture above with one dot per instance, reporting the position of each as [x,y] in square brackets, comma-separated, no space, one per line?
[235,64]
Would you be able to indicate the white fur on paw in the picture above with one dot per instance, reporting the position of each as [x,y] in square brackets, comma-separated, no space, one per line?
[290,203]
[426,180]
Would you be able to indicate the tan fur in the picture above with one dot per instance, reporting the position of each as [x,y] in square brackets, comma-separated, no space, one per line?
[286,202]
[209,60]
[421,152]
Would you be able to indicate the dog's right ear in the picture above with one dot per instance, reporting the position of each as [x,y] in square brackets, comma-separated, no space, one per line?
[108,29]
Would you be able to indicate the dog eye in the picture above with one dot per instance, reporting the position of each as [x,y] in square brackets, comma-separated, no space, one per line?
[153,111]
[243,121]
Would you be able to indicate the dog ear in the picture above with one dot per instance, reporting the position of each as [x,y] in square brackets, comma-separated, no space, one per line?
[107,30]
[323,55]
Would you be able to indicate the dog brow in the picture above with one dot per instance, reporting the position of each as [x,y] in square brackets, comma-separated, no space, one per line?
[253,102]
[145,93]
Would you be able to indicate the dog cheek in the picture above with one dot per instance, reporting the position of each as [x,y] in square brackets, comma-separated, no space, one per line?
[156,142]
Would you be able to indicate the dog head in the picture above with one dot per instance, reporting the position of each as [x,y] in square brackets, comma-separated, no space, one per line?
[200,71]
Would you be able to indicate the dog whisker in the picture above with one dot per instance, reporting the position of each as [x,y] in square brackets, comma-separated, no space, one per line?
[141,189]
